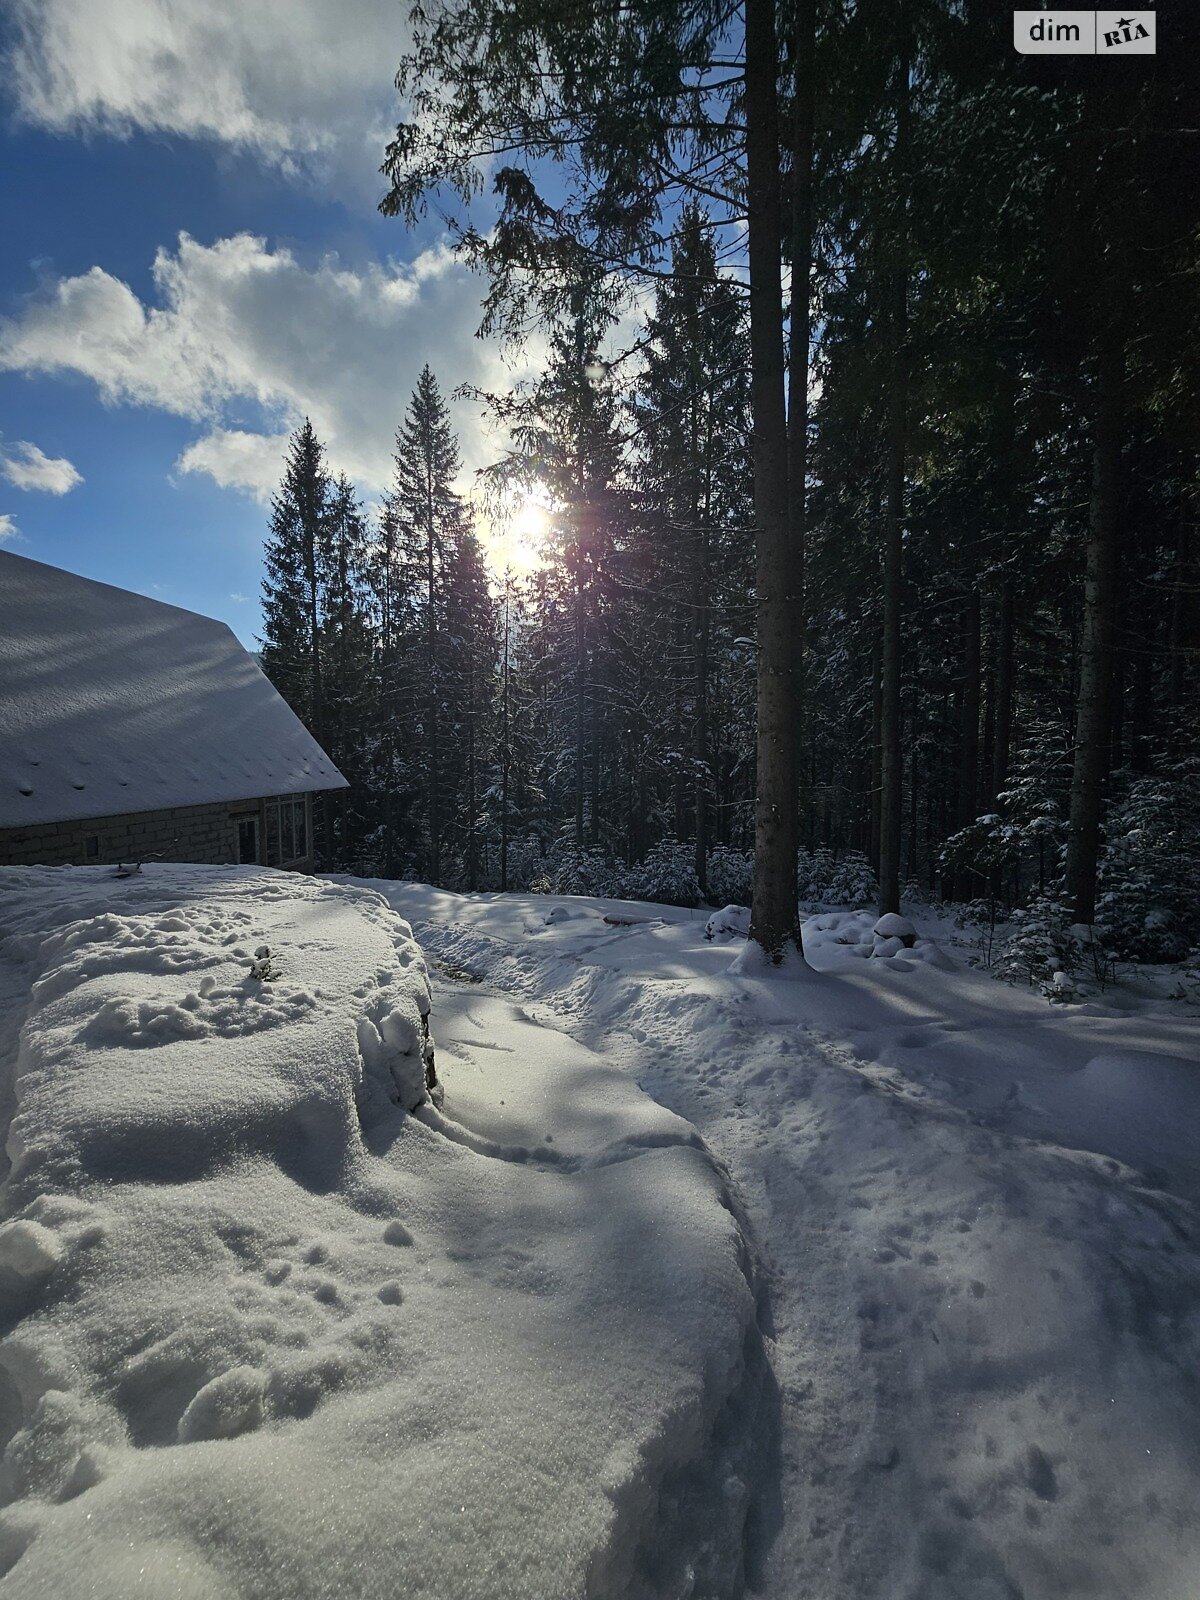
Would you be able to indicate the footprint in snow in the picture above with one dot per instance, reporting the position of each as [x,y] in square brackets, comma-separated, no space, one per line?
[1039,1474]
[230,1404]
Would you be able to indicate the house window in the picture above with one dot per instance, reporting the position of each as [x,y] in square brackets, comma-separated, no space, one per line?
[247,839]
[91,847]
[287,829]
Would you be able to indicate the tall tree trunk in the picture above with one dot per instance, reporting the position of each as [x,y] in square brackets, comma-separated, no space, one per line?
[774,918]
[799,330]
[431,733]
[875,779]
[1116,740]
[583,541]
[968,726]
[580,700]
[342,689]
[1094,705]
[594,740]
[317,704]
[1002,734]
[679,803]
[700,748]
[891,753]
[701,500]
[472,793]
[643,800]
[1005,622]
[580,659]
[911,853]
[505,751]
[1185,627]
[987,733]
[891,762]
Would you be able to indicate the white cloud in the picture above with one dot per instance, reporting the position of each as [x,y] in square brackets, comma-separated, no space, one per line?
[27,467]
[8,528]
[239,323]
[239,599]
[235,459]
[302,84]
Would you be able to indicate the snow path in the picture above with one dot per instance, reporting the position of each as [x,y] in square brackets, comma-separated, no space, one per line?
[265,1337]
[979,1215]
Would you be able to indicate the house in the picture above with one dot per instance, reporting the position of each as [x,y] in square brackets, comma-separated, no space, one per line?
[130,728]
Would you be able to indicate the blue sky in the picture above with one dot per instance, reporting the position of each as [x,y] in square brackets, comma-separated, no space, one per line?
[192,261]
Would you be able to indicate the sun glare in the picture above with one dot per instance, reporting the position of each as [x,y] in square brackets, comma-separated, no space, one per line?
[516,543]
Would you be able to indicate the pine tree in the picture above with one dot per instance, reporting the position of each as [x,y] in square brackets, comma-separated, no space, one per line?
[296,556]
[347,649]
[430,522]
[691,408]
[469,693]
[390,714]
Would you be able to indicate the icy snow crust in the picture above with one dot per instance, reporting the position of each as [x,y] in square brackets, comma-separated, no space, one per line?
[267,1335]
[980,1226]
[111,703]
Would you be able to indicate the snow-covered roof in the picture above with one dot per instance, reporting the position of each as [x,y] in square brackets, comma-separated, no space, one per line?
[110,702]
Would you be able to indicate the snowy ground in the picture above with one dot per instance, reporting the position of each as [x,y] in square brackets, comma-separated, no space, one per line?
[266,1335]
[977,1215]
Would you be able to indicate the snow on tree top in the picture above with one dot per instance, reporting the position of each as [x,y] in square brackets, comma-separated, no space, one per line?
[110,702]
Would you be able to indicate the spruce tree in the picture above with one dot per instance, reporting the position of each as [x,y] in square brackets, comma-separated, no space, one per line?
[347,648]
[296,556]
[469,677]
[692,414]
[430,523]
[392,721]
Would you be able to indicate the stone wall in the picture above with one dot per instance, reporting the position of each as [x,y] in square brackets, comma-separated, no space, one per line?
[186,833]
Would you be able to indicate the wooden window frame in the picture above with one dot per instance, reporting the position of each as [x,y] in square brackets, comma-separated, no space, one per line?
[281,813]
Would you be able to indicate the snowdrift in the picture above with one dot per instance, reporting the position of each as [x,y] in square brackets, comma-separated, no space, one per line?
[277,1325]
[981,1217]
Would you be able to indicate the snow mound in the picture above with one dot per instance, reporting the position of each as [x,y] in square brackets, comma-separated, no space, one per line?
[1140,1108]
[29,1250]
[893,926]
[730,922]
[558,914]
[860,934]
[231,1404]
[269,1334]
[856,933]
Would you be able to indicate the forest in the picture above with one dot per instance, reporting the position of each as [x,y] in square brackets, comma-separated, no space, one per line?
[866,454]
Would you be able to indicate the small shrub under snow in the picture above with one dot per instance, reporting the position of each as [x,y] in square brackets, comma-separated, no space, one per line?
[667,875]
[829,880]
[1041,943]
[730,875]
[1149,875]
[728,923]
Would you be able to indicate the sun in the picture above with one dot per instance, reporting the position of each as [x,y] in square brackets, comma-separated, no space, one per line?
[531,521]
[517,538]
